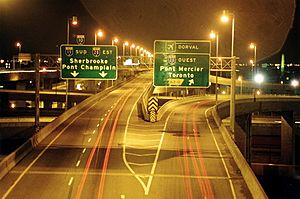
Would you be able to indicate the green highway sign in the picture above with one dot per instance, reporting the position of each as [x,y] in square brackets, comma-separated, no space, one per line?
[181,63]
[88,62]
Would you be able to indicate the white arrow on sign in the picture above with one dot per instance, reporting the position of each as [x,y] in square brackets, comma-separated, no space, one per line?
[74,73]
[103,74]
[191,81]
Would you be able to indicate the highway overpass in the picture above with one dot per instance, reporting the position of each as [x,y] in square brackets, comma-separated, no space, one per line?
[101,148]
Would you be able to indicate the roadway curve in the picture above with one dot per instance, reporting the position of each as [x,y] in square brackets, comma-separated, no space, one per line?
[106,151]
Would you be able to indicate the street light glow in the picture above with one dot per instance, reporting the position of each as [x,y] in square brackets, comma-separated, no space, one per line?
[74,20]
[295,83]
[212,34]
[224,17]
[252,45]
[259,78]
[100,33]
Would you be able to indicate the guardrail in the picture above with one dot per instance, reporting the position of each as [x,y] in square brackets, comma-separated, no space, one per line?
[253,184]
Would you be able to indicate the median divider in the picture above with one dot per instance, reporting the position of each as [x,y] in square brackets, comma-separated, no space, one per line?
[253,184]
[13,158]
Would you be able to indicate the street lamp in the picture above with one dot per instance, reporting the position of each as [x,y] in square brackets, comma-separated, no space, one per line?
[214,35]
[136,50]
[19,46]
[295,83]
[253,46]
[99,33]
[115,40]
[74,22]
[225,19]
[130,49]
[124,47]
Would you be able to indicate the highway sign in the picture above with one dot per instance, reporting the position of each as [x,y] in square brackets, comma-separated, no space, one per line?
[88,62]
[181,63]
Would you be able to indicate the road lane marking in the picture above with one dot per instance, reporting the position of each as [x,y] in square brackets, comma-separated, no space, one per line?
[90,139]
[78,163]
[44,150]
[78,173]
[110,142]
[145,187]
[83,151]
[70,181]
[140,164]
[95,130]
[140,155]
[206,185]
[141,147]
[220,153]
[92,153]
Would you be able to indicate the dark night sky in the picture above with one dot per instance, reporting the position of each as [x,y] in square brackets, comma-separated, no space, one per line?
[40,25]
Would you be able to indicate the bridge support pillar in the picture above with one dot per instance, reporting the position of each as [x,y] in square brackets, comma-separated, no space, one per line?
[288,137]
[243,138]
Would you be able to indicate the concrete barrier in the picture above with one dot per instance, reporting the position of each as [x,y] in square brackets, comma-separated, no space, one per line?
[253,184]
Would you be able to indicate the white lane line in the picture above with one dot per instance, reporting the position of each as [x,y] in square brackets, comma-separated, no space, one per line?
[90,139]
[124,147]
[78,163]
[94,131]
[83,151]
[42,152]
[127,174]
[101,119]
[140,164]
[157,155]
[220,153]
[98,125]
[140,155]
[141,147]
[145,135]
[70,181]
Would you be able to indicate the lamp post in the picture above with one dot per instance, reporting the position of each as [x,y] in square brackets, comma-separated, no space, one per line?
[130,49]
[214,35]
[115,40]
[124,47]
[99,33]
[136,50]
[253,46]
[225,19]
[74,22]
[19,46]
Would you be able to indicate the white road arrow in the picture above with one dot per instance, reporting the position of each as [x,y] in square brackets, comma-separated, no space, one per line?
[74,73]
[103,74]
[191,81]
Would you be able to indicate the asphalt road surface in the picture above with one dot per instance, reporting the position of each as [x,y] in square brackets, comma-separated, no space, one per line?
[107,151]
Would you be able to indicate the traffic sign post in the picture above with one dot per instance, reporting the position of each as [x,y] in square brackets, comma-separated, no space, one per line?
[181,63]
[88,62]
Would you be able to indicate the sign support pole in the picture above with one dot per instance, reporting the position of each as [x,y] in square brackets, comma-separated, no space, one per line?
[232,95]
[37,92]
[67,101]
